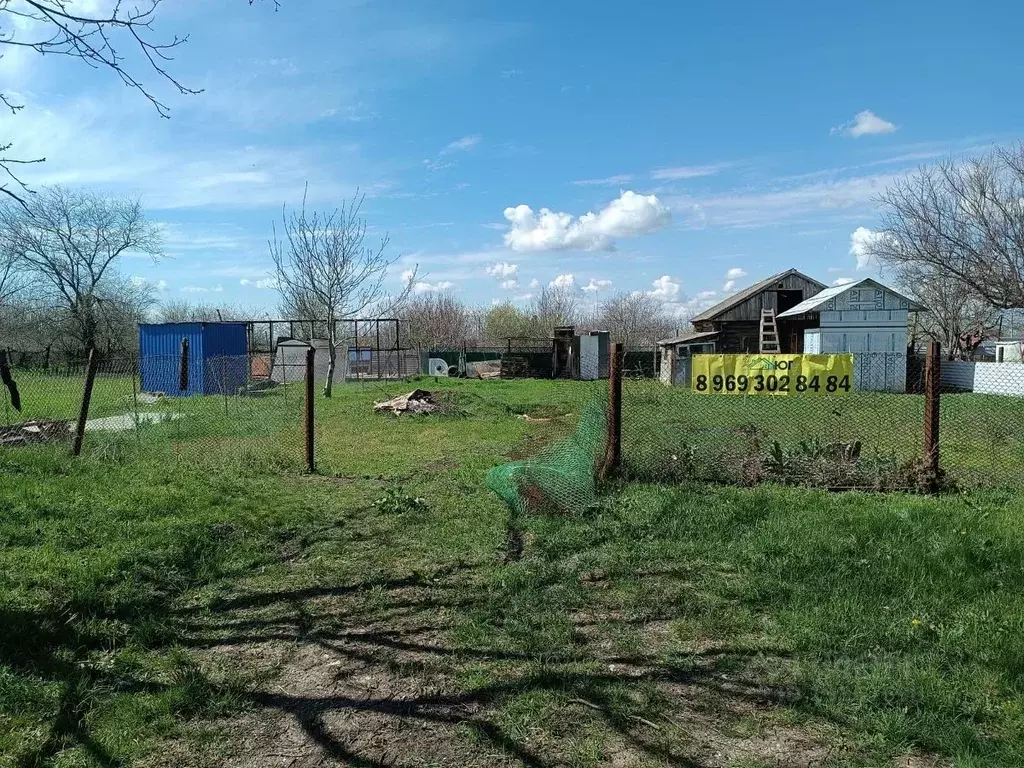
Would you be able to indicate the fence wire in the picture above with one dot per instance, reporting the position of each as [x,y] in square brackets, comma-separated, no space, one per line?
[747,430]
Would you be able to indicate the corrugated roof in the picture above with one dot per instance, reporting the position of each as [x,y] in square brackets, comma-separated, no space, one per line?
[812,304]
[689,337]
[746,293]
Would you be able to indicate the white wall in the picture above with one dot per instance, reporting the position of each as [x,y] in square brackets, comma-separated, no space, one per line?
[1012,351]
[984,378]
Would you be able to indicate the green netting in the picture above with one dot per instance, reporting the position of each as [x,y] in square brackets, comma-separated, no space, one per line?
[562,476]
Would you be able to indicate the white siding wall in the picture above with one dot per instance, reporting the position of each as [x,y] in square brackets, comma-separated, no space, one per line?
[984,378]
[812,341]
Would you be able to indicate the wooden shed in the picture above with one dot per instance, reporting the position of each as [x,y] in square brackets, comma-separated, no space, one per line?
[736,320]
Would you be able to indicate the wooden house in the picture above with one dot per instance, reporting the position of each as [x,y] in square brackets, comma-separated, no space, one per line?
[733,326]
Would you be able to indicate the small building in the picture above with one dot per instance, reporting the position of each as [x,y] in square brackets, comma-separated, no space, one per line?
[733,326]
[217,357]
[865,318]
[1009,351]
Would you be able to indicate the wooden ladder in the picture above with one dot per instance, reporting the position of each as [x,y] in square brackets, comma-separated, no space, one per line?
[769,333]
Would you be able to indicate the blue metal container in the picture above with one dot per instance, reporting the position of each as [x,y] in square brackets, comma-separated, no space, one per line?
[217,357]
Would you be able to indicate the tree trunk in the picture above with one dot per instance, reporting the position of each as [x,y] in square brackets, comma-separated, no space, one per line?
[332,354]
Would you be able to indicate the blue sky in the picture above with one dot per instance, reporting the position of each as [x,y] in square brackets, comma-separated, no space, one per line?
[711,146]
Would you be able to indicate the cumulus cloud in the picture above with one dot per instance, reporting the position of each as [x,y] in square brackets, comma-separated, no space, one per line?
[842,281]
[666,289]
[861,242]
[596,285]
[503,270]
[729,285]
[535,283]
[266,282]
[735,273]
[509,285]
[425,287]
[628,216]
[202,289]
[865,123]
[563,282]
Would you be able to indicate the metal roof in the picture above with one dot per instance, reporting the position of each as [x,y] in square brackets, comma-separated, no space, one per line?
[689,337]
[746,293]
[812,304]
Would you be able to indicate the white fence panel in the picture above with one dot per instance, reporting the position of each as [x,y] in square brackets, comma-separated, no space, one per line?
[984,378]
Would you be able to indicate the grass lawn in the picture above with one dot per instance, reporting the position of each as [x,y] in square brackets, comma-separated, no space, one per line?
[223,609]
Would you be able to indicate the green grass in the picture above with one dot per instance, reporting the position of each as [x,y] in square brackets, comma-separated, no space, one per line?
[148,603]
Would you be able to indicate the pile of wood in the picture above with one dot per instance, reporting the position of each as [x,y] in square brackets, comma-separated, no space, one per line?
[35,431]
[417,401]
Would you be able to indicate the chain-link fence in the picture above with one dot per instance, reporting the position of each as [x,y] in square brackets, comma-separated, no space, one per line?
[231,408]
[860,424]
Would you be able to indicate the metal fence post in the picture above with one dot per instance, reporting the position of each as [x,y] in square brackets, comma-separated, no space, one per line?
[83,413]
[613,454]
[310,400]
[932,381]
[183,367]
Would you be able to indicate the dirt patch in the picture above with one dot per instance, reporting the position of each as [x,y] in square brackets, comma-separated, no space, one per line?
[372,675]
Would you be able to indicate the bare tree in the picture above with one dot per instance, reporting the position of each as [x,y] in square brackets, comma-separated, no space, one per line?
[962,223]
[635,319]
[326,272]
[180,311]
[954,315]
[71,241]
[99,39]
[553,307]
[438,320]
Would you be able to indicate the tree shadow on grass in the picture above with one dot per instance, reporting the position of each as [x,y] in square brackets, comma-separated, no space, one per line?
[381,681]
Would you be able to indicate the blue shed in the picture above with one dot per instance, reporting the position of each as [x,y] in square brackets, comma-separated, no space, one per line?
[217,357]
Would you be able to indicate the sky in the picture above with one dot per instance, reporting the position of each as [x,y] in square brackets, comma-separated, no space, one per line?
[679,149]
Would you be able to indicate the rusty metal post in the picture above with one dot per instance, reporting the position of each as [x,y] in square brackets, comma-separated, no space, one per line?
[932,380]
[613,453]
[310,400]
[183,367]
[83,413]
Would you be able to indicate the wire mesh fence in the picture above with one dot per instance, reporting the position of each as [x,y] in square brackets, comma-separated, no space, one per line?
[224,408]
[857,427]
[860,426]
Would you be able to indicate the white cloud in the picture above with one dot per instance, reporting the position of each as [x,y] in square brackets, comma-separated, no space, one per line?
[523,297]
[596,285]
[503,270]
[509,285]
[535,283]
[865,123]
[563,281]
[619,178]
[842,281]
[735,273]
[424,287]
[861,242]
[729,285]
[767,207]
[139,282]
[202,289]
[628,216]
[666,289]
[266,282]
[461,145]
[688,171]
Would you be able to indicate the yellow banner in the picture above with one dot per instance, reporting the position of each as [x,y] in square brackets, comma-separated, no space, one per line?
[772,374]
